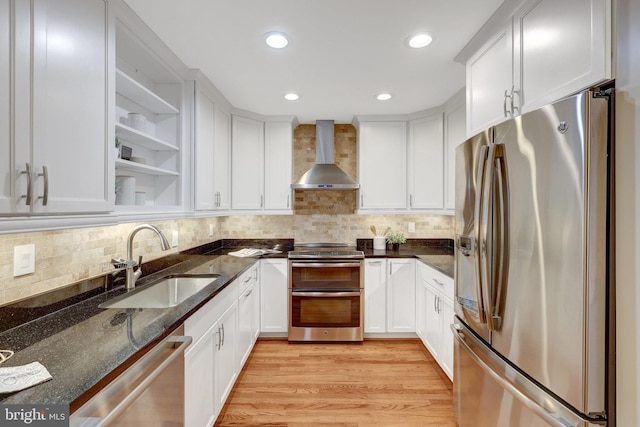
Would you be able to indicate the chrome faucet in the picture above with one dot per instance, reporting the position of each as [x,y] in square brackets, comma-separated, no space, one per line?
[132,275]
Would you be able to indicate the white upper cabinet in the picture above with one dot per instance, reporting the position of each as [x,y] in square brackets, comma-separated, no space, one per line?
[261,164]
[8,187]
[382,165]
[278,163]
[546,51]
[56,78]
[455,119]
[212,156]
[426,163]
[247,164]
[490,81]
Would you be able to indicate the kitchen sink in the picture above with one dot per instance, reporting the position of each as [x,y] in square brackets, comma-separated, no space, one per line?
[166,292]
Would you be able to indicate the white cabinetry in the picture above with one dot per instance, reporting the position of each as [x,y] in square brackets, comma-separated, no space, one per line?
[426,162]
[224,331]
[455,120]
[401,295]
[248,313]
[375,295]
[212,157]
[274,307]
[434,304]
[548,50]
[203,384]
[278,163]
[261,164]
[389,292]
[247,164]
[56,151]
[225,355]
[199,383]
[146,86]
[382,162]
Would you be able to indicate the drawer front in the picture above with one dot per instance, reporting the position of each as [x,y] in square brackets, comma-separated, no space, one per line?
[196,325]
[438,280]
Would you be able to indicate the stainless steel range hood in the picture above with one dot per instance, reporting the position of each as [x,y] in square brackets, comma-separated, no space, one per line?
[325,175]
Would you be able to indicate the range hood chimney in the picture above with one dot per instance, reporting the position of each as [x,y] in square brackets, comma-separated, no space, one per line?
[325,175]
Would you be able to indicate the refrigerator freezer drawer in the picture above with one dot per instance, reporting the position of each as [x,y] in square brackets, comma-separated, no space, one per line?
[490,393]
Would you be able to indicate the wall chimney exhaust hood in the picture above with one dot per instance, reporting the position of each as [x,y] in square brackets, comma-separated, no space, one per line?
[325,175]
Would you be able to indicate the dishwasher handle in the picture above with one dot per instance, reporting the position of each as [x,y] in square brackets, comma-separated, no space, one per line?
[84,417]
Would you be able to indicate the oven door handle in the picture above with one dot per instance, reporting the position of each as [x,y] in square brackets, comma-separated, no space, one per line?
[324,264]
[325,294]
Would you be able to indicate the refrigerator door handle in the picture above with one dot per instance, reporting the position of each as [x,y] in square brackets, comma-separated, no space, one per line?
[553,419]
[490,246]
[480,188]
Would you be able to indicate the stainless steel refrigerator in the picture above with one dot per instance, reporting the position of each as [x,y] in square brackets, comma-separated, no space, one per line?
[532,300]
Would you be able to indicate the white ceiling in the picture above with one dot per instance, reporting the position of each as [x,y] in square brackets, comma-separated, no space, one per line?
[341,52]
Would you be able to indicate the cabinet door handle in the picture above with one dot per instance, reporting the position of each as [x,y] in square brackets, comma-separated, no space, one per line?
[222,327]
[410,200]
[261,201]
[45,194]
[362,200]
[288,197]
[504,104]
[435,303]
[374,262]
[438,306]
[219,343]
[513,107]
[27,171]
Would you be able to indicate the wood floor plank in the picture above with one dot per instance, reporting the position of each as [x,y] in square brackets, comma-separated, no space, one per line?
[376,383]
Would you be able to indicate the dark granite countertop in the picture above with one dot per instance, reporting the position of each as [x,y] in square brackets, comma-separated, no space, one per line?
[438,253]
[84,347]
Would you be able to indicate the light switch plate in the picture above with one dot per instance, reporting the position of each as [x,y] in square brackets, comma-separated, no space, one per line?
[24,260]
[210,230]
[411,227]
[174,238]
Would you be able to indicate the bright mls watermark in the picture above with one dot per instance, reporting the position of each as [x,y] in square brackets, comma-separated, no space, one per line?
[34,415]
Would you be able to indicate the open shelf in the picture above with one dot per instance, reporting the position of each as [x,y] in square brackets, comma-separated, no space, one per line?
[143,139]
[142,168]
[134,91]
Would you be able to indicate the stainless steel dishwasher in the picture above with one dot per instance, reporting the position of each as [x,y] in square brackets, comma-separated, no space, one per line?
[150,392]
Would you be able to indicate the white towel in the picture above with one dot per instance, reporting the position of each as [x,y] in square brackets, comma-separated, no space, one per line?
[18,378]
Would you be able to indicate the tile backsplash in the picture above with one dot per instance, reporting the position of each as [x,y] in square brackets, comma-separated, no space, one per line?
[67,256]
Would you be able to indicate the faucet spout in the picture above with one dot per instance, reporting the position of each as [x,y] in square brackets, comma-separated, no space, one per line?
[132,275]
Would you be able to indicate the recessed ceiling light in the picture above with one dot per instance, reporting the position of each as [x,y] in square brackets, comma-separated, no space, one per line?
[276,39]
[292,97]
[419,40]
[383,96]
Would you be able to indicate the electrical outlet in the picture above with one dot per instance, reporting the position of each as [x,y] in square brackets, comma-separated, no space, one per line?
[24,260]
[411,227]
[211,230]
[174,238]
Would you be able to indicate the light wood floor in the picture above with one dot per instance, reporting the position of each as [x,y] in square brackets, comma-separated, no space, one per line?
[377,383]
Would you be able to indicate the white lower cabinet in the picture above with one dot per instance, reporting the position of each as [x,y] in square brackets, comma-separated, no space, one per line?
[434,306]
[389,291]
[248,314]
[274,307]
[224,331]
[401,295]
[375,295]
[225,355]
[199,392]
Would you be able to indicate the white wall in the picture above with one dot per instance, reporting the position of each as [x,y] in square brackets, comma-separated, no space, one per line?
[628,212]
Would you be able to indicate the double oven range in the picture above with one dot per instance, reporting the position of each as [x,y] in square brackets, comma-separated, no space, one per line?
[326,294]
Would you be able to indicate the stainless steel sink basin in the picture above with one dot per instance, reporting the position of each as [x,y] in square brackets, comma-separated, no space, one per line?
[167,292]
